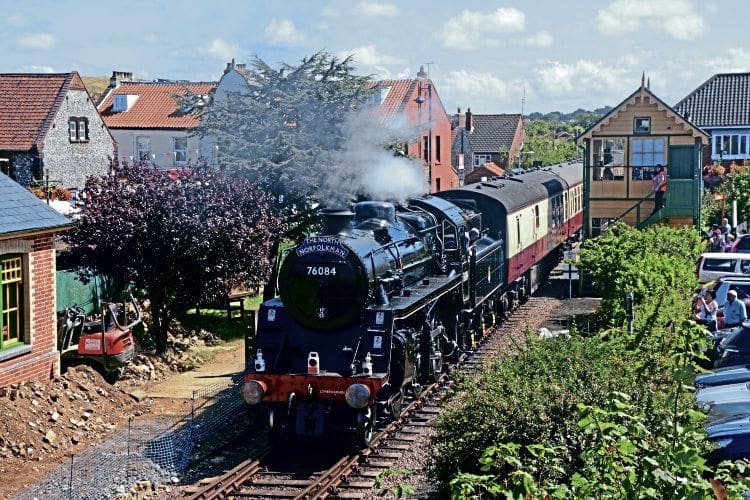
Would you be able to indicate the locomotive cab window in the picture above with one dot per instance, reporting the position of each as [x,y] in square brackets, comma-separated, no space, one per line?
[450,237]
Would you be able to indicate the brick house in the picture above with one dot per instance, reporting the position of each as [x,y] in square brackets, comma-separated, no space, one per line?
[486,171]
[49,127]
[415,102]
[480,139]
[721,107]
[28,330]
[150,123]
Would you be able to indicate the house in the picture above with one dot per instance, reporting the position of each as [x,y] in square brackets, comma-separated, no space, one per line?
[622,152]
[479,139]
[28,329]
[150,120]
[416,103]
[721,107]
[486,171]
[51,130]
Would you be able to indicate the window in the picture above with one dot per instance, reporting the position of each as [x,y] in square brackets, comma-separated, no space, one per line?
[120,103]
[78,129]
[180,150]
[11,301]
[437,148]
[426,148]
[536,215]
[647,153]
[609,160]
[481,159]
[642,125]
[730,147]
[143,148]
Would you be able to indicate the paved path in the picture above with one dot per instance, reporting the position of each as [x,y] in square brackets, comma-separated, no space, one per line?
[229,360]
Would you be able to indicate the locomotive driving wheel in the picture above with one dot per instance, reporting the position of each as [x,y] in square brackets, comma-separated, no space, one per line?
[365,429]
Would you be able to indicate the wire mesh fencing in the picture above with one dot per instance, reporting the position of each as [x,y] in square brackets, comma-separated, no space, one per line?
[155,450]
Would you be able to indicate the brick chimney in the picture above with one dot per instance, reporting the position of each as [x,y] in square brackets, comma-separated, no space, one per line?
[120,76]
[460,119]
[468,119]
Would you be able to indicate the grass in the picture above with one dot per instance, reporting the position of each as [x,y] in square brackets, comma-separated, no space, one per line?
[216,321]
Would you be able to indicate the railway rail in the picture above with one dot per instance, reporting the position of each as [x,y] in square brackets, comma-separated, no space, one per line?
[355,475]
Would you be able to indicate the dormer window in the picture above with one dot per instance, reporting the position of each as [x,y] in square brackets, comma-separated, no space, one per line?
[120,103]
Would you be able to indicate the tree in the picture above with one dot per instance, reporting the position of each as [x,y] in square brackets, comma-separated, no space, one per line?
[540,140]
[283,129]
[182,239]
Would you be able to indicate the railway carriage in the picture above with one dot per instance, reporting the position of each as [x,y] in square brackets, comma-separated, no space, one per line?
[369,311]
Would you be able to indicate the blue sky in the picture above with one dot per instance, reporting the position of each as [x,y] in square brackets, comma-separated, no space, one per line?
[486,55]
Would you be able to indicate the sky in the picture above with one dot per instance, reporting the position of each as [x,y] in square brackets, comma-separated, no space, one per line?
[490,56]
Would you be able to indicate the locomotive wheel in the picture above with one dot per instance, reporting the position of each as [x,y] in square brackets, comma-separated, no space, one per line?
[365,420]
[396,403]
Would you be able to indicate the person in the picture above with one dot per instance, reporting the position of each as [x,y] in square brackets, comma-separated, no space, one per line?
[726,227]
[734,310]
[660,187]
[717,241]
[707,313]
[729,243]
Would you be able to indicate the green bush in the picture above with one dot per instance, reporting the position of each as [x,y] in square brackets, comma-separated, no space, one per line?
[607,416]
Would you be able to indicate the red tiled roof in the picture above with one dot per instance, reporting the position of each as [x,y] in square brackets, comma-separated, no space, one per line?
[28,102]
[396,99]
[155,106]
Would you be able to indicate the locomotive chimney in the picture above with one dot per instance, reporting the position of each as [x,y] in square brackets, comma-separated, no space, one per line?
[336,220]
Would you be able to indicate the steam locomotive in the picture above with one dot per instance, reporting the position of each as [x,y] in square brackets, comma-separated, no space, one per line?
[369,311]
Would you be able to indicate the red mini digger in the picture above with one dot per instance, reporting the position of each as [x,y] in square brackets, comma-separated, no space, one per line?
[103,342]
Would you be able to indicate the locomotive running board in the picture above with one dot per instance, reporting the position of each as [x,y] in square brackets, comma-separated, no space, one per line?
[415,297]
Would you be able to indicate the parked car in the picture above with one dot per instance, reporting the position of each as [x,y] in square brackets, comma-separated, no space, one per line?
[732,435]
[742,245]
[715,265]
[723,376]
[724,401]
[734,349]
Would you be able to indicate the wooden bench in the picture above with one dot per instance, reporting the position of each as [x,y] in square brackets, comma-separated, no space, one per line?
[233,302]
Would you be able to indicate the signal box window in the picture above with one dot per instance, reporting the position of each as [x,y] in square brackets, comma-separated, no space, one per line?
[11,301]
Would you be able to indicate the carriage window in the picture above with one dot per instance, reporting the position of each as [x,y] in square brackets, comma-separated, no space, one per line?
[536,215]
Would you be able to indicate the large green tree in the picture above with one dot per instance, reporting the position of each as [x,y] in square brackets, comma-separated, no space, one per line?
[541,146]
[282,130]
[182,239]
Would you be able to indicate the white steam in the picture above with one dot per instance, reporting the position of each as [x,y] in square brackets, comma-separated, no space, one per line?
[364,168]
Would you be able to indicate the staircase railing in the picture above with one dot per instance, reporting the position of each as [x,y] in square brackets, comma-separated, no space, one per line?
[648,219]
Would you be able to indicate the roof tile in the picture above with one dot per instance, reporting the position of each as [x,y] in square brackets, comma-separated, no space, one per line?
[155,107]
[26,103]
[21,211]
[492,132]
[722,101]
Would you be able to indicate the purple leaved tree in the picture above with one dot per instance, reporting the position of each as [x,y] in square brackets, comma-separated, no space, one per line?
[184,237]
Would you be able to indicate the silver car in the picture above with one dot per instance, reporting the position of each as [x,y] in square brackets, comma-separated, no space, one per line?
[724,400]
[724,376]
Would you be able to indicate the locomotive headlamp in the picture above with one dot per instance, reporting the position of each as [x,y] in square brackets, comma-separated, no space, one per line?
[357,396]
[253,391]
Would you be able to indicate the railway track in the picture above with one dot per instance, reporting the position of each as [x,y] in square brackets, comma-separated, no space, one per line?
[355,475]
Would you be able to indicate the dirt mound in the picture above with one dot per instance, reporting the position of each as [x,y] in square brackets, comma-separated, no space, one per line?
[45,422]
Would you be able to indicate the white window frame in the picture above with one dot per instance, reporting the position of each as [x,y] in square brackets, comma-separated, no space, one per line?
[481,158]
[140,151]
[179,154]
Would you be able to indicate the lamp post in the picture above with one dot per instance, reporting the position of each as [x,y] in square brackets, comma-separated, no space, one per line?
[426,89]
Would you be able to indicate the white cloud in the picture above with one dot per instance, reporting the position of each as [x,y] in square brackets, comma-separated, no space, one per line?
[365,8]
[482,91]
[38,41]
[368,55]
[330,12]
[471,30]
[541,39]
[735,60]
[38,69]
[585,76]
[221,49]
[678,18]
[15,20]
[283,32]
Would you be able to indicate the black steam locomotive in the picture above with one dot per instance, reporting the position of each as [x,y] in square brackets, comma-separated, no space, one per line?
[368,311]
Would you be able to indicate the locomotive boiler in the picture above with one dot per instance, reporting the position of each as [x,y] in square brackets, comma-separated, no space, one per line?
[369,310]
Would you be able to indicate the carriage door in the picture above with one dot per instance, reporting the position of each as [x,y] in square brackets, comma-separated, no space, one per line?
[682,195]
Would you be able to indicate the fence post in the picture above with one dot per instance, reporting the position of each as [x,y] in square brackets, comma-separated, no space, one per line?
[127,472]
[70,479]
